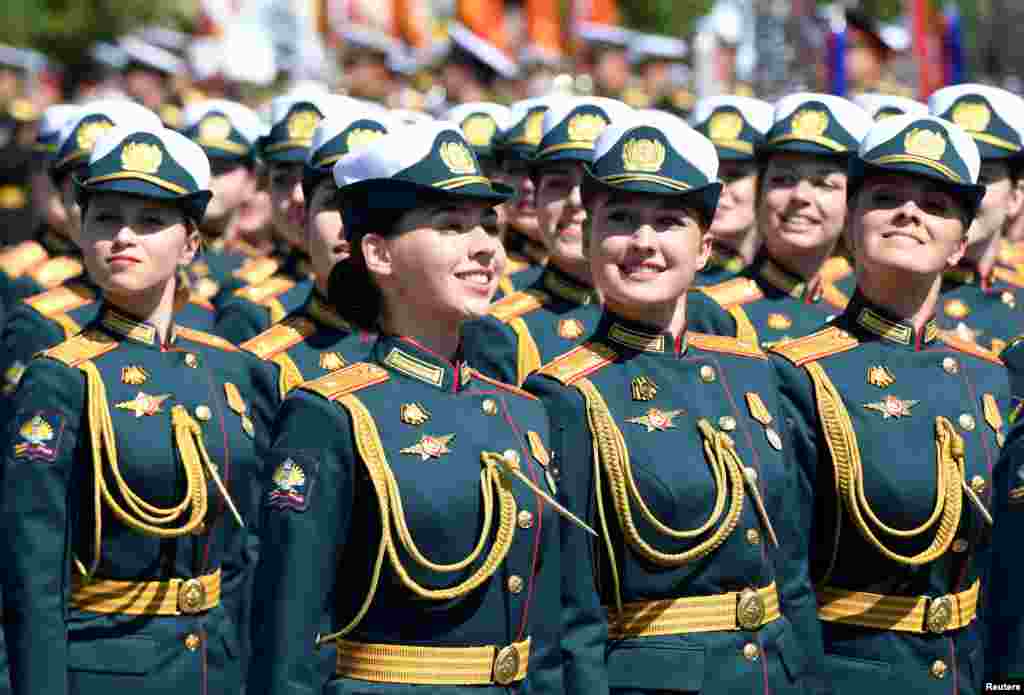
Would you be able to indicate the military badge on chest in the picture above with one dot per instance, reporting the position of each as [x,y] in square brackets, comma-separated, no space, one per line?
[571,329]
[892,407]
[430,447]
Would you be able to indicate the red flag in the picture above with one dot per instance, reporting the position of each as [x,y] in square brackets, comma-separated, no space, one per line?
[928,29]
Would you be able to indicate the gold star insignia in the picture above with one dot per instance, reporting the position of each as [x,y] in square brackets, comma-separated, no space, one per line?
[892,407]
[430,447]
[655,419]
[144,404]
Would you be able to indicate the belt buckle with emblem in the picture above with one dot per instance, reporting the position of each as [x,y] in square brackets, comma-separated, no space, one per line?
[191,597]
[506,665]
[750,610]
[939,614]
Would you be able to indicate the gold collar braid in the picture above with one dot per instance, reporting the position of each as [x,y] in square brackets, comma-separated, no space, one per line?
[610,449]
[842,443]
[389,500]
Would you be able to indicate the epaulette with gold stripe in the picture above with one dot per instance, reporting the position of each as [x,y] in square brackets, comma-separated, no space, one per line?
[733,292]
[835,268]
[960,345]
[347,380]
[515,305]
[280,337]
[16,261]
[1010,277]
[269,289]
[579,362]
[502,385]
[829,341]
[61,300]
[83,347]
[723,343]
[256,270]
[57,271]
[204,338]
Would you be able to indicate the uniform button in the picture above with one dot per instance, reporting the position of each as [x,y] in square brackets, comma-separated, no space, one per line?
[939,669]
[753,536]
[192,642]
[978,484]
[515,584]
[727,423]
[751,652]
[203,412]
[512,456]
[707,373]
[959,545]
[525,519]
[191,360]
[489,407]
[950,365]
[966,421]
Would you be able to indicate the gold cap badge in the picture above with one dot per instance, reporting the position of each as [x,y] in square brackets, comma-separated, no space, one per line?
[479,129]
[725,125]
[90,132]
[643,155]
[586,127]
[361,137]
[214,129]
[458,158]
[809,123]
[972,115]
[533,131]
[925,143]
[142,157]
[301,124]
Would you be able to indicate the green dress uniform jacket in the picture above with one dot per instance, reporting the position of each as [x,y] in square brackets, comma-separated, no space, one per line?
[778,304]
[526,262]
[253,309]
[385,519]
[670,449]
[897,432]
[161,611]
[985,310]
[36,265]
[219,271]
[723,264]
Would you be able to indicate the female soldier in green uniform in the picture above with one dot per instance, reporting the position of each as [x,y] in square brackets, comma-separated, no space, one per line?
[896,427]
[414,517]
[125,456]
[670,443]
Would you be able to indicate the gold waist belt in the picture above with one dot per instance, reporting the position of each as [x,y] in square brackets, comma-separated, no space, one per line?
[171,597]
[921,614]
[743,610]
[396,663]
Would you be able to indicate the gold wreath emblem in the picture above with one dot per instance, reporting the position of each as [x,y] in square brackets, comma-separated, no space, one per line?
[361,137]
[301,124]
[90,132]
[586,127]
[972,115]
[458,158]
[725,125]
[479,129]
[925,143]
[142,157]
[809,123]
[533,131]
[214,129]
[643,155]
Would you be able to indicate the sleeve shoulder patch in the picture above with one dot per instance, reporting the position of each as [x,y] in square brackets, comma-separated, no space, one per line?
[579,362]
[61,300]
[503,386]
[721,343]
[17,261]
[517,304]
[347,380]
[829,341]
[966,346]
[255,270]
[280,337]
[83,347]
[204,338]
[293,480]
[57,271]
[736,291]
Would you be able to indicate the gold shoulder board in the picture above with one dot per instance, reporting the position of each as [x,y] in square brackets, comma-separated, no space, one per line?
[835,268]
[517,304]
[966,346]
[279,337]
[833,295]
[1010,277]
[722,343]
[266,290]
[82,348]
[17,260]
[579,362]
[735,291]
[57,271]
[204,338]
[347,380]
[61,300]
[502,385]
[829,341]
[255,270]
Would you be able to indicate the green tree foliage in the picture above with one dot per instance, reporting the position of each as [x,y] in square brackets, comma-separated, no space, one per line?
[669,17]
